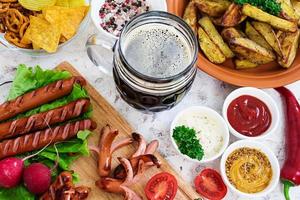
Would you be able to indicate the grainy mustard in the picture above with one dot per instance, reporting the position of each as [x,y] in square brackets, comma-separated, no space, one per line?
[249,170]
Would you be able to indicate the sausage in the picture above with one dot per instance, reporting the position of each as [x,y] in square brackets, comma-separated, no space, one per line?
[43,120]
[104,157]
[117,145]
[113,185]
[120,173]
[142,144]
[63,189]
[38,140]
[39,97]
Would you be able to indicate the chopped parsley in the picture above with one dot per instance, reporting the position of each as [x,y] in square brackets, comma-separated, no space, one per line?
[187,142]
[269,6]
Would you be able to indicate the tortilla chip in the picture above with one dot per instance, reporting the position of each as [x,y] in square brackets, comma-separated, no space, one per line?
[62,39]
[43,34]
[70,3]
[35,47]
[68,19]
[26,38]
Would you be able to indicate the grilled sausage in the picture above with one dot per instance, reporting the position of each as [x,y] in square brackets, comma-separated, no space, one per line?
[63,189]
[43,120]
[38,140]
[39,97]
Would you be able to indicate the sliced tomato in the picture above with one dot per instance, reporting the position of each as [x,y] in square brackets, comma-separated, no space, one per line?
[162,186]
[209,184]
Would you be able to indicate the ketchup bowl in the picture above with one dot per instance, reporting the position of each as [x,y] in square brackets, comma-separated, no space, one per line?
[250,113]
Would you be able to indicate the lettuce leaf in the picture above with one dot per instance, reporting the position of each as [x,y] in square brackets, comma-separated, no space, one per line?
[76,147]
[28,79]
[16,193]
[31,78]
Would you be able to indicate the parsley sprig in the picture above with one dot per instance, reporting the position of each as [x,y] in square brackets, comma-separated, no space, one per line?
[187,142]
[270,6]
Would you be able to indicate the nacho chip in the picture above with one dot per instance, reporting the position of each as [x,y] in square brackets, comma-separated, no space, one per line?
[70,3]
[43,34]
[62,39]
[35,47]
[36,5]
[68,19]
[26,38]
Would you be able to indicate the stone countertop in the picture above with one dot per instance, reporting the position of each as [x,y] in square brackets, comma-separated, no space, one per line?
[206,91]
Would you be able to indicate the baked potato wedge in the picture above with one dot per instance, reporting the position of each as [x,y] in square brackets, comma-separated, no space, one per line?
[269,35]
[296,6]
[287,11]
[214,36]
[213,8]
[276,22]
[247,49]
[231,33]
[209,48]
[233,16]
[244,64]
[288,2]
[190,16]
[289,43]
[252,34]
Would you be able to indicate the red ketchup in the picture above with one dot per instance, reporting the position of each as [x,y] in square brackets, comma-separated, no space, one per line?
[249,116]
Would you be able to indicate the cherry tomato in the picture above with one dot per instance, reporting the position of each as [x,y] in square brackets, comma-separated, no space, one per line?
[162,186]
[209,184]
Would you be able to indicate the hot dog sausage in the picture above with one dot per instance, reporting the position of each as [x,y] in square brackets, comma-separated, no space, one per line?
[43,120]
[39,97]
[39,139]
[63,188]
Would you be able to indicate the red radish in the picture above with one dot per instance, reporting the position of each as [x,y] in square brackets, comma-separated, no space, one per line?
[11,172]
[37,178]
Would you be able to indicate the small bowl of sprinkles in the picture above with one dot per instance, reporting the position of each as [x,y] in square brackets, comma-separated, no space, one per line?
[250,169]
[110,16]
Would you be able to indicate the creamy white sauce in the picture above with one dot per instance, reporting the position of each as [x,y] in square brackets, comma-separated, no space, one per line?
[208,128]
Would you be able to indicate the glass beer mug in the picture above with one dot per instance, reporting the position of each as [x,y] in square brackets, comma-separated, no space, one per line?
[153,62]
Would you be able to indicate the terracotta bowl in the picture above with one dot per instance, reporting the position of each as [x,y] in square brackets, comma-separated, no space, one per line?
[264,76]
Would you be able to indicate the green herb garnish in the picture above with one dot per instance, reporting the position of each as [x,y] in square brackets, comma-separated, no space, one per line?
[269,6]
[187,142]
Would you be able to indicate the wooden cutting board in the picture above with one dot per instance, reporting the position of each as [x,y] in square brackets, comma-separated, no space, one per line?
[104,114]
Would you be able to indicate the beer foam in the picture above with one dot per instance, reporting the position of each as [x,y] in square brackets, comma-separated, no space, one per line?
[157,50]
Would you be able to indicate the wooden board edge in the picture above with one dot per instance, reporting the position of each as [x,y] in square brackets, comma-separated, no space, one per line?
[184,187]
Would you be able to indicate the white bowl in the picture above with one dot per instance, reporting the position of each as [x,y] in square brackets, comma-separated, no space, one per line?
[40,53]
[212,114]
[270,155]
[96,5]
[261,95]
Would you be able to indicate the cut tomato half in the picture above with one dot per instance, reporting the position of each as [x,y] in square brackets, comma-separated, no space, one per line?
[162,186]
[209,184]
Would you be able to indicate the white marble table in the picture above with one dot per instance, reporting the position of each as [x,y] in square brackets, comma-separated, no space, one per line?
[206,91]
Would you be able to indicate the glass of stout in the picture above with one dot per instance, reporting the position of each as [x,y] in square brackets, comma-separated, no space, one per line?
[154,60]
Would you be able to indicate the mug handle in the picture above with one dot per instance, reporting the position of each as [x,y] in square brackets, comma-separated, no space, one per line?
[96,55]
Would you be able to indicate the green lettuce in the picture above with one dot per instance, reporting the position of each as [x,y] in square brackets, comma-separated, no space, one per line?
[16,193]
[31,78]
[76,147]
[59,157]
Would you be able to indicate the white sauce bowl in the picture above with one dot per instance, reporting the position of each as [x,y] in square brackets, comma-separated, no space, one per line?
[219,121]
[261,147]
[261,95]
